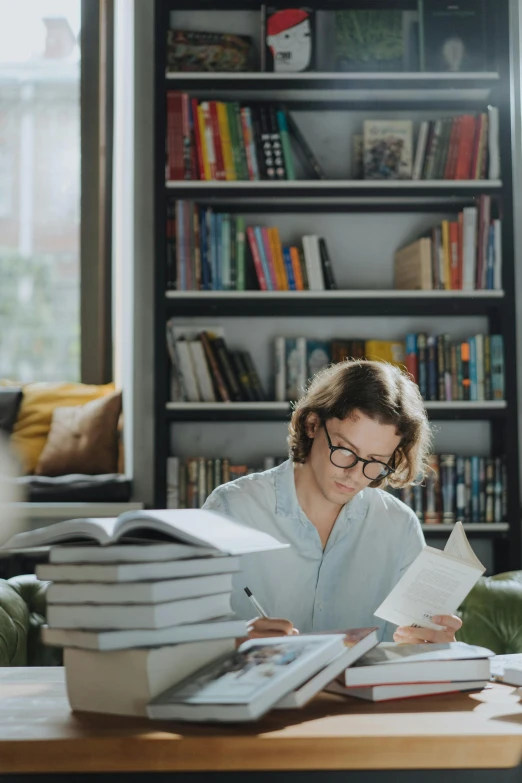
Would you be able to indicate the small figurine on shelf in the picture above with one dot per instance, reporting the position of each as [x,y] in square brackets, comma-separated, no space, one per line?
[289,38]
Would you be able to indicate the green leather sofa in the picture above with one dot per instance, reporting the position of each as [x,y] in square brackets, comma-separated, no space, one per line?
[22,612]
[491,614]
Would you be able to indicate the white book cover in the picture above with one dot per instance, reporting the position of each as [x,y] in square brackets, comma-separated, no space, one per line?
[188,371]
[405,690]
[132,616]
[469,245]
[136,572]
[219,628]
[390,663]
[420,150]
[199,363]
[436,583]
[131,551]
[139,592]
[244,684]
[388,149]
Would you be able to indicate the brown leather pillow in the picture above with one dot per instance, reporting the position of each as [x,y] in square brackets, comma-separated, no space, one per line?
[82,439]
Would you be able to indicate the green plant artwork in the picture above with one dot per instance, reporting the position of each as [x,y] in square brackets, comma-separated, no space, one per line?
[368,40]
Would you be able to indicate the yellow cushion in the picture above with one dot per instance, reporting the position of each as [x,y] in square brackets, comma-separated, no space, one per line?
[34,417]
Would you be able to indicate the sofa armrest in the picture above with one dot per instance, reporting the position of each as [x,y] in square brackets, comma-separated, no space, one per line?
[492,613]
[32,593]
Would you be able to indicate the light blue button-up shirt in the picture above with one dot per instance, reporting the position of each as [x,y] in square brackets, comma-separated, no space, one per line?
[374,539]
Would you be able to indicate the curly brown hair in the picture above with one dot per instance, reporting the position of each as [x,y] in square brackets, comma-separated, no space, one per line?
[382,392]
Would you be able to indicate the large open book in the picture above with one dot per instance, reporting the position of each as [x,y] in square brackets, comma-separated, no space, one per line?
[435,583]
[209,529]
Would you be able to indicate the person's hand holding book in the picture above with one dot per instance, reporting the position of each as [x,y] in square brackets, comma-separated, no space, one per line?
[417,635]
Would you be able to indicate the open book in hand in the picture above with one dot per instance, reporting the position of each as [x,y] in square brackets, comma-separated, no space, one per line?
[436,583]
[217,533]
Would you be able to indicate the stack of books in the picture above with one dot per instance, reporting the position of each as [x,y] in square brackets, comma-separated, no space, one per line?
[401,671]
[144,604]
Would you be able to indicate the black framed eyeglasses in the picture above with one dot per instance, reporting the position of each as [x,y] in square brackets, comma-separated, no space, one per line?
[342,457]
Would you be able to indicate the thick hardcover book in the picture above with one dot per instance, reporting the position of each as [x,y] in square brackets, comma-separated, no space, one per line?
[289,38]
[221,628]
[123,682]
[453,35]
[131,616]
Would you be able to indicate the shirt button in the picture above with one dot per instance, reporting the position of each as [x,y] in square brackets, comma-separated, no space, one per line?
[320,604]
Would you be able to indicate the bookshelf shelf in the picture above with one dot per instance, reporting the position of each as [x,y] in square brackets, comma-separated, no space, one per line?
[296,189]
[474,528]
[280,411]
[414,87]
[332,303]
[405,94]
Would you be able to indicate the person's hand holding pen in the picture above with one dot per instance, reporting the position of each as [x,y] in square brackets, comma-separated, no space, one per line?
[263,626]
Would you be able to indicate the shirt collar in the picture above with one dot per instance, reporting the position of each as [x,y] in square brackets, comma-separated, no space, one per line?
[286,497]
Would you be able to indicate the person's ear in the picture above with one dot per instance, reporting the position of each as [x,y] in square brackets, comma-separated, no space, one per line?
[312,425]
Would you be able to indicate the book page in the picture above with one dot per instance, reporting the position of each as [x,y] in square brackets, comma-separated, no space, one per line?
[199,526]
[88,528]
[433,584]
[458,546]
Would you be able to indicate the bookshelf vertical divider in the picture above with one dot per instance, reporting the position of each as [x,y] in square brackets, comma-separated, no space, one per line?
[350,195]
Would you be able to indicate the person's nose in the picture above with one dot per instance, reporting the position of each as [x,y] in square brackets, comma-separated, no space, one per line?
[356,471]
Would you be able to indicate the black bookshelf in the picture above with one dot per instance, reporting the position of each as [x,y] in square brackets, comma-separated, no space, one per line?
[386,92]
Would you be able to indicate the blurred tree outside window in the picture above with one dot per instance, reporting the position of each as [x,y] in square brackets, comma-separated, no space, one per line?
[40,189]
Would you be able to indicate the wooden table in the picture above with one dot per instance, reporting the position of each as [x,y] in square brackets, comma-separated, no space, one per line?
[464,737]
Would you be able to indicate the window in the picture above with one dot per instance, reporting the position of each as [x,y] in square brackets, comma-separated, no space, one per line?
[40,189]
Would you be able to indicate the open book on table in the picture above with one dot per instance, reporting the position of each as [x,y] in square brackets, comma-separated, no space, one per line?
[217,533]
[435,583]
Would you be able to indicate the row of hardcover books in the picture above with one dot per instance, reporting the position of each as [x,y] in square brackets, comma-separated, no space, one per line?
[190,481]
[469,489]
[226,141]
[203,369]
[463,148]
[463,254]
[207,251]
[444,370]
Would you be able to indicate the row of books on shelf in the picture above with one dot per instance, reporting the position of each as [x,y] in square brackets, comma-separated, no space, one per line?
[207,251]
[204,369]
[462,254]
[227,141]
[465,147]
[190,481]
[469,489]
[444,370]
[466,488]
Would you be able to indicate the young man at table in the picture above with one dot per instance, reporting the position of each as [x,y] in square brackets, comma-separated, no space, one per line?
[360,425]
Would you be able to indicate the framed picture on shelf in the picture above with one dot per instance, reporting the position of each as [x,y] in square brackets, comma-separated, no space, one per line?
[376,40]
[453,36]
[288,36]
[192,51]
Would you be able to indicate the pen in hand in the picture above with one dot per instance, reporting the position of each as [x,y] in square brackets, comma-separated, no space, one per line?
[257,606]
